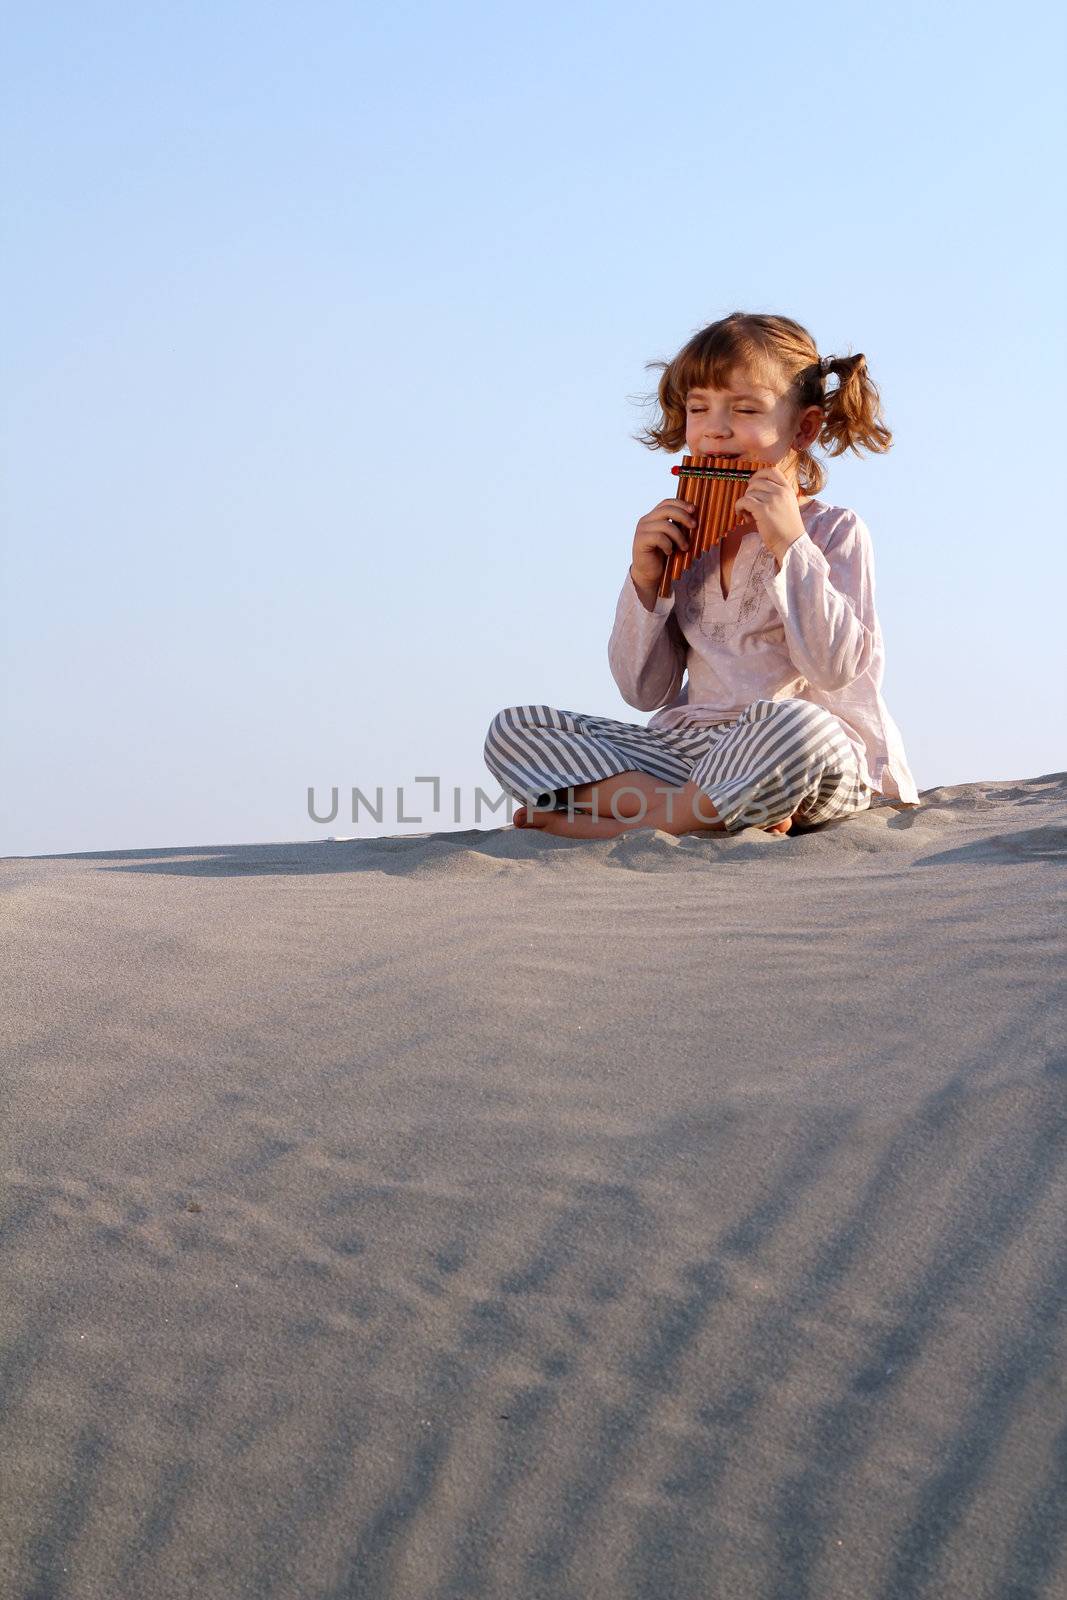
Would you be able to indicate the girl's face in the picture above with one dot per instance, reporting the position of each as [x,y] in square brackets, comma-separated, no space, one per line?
[748,419]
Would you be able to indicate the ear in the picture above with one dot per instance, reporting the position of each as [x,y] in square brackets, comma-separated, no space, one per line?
[807,430]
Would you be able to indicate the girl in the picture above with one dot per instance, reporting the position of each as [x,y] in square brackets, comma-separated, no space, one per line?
[780,723]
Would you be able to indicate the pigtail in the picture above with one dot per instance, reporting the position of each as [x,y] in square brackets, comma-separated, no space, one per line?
[853,411]
[852,414]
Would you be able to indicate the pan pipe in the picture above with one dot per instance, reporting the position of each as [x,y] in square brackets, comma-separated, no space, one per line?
[712,485]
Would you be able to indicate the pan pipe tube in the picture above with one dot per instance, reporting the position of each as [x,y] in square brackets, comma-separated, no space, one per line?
[712,485]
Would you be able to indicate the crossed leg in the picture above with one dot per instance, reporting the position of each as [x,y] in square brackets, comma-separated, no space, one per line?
[685,809]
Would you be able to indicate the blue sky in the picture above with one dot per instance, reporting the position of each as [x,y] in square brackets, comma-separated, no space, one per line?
[326,335]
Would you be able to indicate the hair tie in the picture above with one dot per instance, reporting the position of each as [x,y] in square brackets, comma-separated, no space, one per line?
[825,364]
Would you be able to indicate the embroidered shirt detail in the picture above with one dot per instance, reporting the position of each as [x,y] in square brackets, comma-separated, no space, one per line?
[700,607]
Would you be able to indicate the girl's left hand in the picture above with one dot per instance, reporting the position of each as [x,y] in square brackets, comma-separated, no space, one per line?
[771,502]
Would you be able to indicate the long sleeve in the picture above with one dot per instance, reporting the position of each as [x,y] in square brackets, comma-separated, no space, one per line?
[646,652]
[826,603]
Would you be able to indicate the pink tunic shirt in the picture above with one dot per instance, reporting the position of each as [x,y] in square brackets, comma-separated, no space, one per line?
[808,631]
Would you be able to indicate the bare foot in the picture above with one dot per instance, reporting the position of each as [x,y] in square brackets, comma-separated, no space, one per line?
[579,826]
[525,818]
[584,827]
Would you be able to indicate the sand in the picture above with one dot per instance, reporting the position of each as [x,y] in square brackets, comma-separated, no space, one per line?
[487,1214]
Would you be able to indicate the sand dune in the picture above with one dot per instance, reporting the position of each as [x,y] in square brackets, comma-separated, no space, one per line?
[488,1214]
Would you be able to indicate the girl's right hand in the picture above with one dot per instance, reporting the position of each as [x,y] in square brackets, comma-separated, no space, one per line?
[668,527]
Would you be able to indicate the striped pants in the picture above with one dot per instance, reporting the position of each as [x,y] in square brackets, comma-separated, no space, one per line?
[778,759]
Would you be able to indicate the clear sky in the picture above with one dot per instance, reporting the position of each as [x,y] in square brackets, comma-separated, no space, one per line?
[326,332]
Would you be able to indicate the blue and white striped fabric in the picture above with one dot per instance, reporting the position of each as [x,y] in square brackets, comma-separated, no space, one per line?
[778,759]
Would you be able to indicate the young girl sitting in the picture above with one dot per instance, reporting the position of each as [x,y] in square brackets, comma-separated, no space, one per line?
[781,723]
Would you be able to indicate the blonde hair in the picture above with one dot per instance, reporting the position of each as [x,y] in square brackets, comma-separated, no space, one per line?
[779,352]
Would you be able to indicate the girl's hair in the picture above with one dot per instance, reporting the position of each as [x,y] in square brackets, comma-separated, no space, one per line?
[776,351]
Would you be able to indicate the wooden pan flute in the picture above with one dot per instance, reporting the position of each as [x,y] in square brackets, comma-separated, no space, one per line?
[712,485]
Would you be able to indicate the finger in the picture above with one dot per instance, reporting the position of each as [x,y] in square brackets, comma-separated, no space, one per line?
[682,536]
[666,525]
[672,516]
[674,530]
